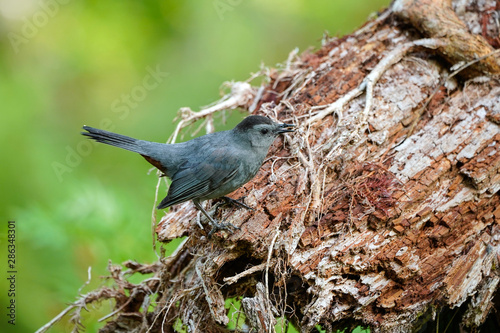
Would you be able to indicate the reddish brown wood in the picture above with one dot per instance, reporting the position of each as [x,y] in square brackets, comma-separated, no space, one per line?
[382,225]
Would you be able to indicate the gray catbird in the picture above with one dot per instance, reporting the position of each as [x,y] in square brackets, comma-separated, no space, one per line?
[206,167]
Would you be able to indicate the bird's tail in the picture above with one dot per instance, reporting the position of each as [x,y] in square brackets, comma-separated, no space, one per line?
[113,139]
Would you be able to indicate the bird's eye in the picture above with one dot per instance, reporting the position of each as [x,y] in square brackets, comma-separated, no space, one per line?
[264,131]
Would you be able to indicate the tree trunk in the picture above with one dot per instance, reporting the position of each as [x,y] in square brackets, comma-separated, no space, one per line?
[381,210]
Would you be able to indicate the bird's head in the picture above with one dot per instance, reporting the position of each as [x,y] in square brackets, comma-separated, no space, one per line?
[261,131]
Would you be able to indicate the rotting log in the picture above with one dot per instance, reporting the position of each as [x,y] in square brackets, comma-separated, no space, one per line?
[382,210]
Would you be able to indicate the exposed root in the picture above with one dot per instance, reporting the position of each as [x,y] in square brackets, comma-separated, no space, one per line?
[136,300]
[436,19]
[370,80]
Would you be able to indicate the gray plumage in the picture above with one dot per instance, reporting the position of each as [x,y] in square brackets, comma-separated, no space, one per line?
[206,167]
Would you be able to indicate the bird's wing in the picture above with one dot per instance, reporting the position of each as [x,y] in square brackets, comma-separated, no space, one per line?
[198,180]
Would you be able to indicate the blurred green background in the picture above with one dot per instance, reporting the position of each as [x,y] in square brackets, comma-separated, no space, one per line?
[66,63]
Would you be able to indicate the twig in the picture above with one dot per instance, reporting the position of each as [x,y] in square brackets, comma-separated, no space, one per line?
[470,63]
[166,308]
[89,277]
[57,318]
[205,289]
[120,308]
[251,270]
[269,254]
[241,93]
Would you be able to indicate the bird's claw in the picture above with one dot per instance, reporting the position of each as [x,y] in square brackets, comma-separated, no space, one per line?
[216,226]
[222,226]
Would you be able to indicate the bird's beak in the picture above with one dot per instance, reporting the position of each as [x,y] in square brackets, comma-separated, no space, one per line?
[285,128]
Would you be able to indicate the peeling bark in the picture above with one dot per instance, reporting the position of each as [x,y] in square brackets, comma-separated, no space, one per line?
[382,210]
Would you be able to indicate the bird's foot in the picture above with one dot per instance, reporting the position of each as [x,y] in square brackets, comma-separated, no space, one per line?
[238,203]
[222,226]
[216,226]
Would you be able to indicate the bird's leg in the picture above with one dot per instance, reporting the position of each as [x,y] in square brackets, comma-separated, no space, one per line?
[238,203]
[215,226]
